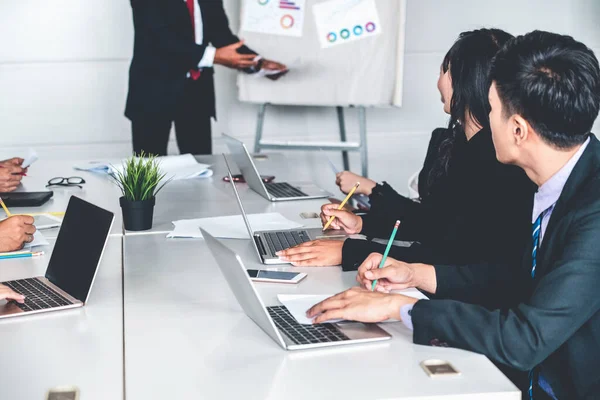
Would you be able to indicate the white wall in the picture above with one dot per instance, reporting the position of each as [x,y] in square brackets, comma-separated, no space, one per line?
[63,77]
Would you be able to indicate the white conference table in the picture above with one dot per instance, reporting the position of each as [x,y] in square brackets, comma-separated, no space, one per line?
[81,347]
[184,334]
[186,337]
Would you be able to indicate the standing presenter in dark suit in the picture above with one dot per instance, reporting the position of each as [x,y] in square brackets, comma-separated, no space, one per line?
[177,43]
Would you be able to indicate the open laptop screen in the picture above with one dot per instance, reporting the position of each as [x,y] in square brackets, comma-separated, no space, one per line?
[79,247]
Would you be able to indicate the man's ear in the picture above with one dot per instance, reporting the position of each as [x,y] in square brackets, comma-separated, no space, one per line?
[520,129]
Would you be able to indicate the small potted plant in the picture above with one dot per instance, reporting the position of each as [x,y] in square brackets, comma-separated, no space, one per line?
[140,179]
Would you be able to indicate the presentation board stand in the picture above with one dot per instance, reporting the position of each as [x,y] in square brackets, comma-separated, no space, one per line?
[343,145]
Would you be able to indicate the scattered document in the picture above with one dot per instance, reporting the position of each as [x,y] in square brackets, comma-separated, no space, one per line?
[299,304]
[345,21]
[38,240]
[30,159]
[274,17]
[231,227]
[178,167]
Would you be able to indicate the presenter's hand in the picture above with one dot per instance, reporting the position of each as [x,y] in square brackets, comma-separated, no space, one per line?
[229,57]
[345,220]
[10,176]
[316,253]
[15,232]
[346,181]
[7,293]
[395,275]
[269,65]
[361,305]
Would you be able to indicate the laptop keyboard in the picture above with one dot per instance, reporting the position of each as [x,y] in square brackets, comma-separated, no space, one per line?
[304,334]
[283,190]
[37,295]
[278,241]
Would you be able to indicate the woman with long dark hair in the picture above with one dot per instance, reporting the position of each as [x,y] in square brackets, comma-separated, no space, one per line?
[471,207]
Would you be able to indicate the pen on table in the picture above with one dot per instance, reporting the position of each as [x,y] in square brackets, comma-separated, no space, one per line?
[8,214]
[7,256]
[387,250]
[342,205]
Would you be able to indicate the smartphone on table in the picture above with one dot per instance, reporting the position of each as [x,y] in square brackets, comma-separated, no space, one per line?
[275,276]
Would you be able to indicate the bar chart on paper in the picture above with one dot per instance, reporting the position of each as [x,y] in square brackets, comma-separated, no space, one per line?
[274,17]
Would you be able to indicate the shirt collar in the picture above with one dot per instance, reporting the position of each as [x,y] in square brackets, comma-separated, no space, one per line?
[548,194]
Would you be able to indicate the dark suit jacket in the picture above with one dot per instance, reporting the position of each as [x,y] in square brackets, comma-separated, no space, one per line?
[552,321]
[478,212]
[165,50]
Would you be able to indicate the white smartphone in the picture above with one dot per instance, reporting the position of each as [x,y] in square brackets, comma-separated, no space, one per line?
[275,276]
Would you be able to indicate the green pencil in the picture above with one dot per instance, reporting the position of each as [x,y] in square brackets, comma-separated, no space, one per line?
[387,250]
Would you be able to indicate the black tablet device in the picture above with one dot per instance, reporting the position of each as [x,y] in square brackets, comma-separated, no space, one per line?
[26,199]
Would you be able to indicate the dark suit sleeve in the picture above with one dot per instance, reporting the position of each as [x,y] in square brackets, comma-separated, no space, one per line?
[524,335]
[220,34]
[482,283]
[386,207]
[152,18]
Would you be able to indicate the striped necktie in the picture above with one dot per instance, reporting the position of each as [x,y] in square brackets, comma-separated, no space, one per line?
[537,229]
[535,234]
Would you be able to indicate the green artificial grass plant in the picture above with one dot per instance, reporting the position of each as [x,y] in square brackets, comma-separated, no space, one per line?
[140,178]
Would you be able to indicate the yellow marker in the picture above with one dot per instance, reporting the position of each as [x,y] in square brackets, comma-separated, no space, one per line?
[342,205]
[8,214]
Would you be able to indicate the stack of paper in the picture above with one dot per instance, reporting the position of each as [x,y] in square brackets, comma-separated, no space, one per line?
[231,227]
[299,304]
[183,166]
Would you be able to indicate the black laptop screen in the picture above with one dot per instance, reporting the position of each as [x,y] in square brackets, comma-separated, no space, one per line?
[78,248]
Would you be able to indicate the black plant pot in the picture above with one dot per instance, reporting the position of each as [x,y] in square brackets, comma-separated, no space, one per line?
[137,215]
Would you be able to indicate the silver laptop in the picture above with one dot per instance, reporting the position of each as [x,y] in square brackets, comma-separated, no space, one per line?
[277,321]
[72,267]
[267,243]
[275,191]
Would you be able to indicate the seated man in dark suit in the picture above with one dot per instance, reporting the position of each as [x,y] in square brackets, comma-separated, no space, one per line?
[541,319]
[177,42]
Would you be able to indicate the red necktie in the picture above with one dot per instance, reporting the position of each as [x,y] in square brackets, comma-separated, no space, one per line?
[194,73]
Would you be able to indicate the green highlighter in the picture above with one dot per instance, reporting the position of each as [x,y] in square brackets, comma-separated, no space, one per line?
[387,250]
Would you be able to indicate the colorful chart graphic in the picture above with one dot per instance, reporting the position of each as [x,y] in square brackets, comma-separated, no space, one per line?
[274,17]
[289,5]
[287,21]
[350,20]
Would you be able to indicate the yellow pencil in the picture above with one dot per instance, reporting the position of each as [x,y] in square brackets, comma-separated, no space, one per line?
[342,205]
[8,214]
